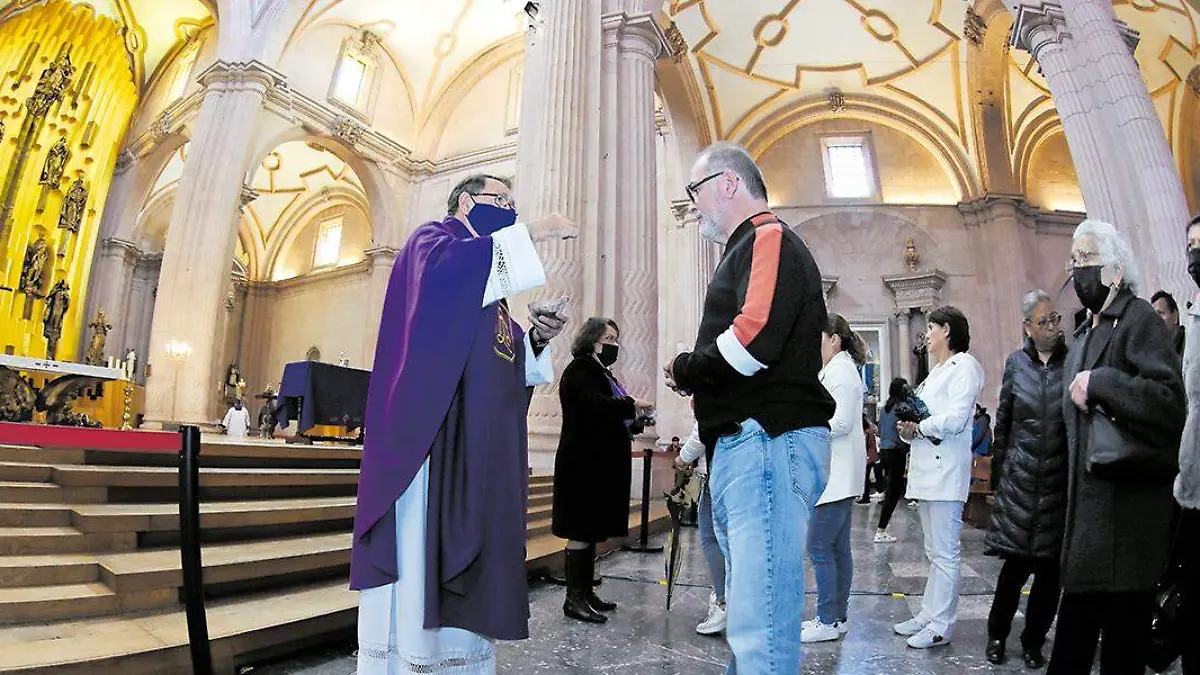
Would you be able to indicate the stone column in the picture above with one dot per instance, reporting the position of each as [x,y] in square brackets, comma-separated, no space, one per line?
[558,156]
[381,259]
[112,278]
[1041,30]
[1139,144]
[634,230]
[905,342]
[1003,257]
[200,242]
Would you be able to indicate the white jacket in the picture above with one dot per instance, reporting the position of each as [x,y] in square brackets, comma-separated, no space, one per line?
[693,449]
[943,472]
[847,443]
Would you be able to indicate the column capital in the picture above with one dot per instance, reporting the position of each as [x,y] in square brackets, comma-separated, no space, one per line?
[1036,26]
[636,34]
[381,255]
[982,210]
[119,247]
[241,76]
[903,313]
[918,290]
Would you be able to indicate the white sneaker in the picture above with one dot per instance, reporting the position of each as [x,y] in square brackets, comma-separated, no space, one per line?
[815,631]
[715,623]
[911,627]
[927,639]
[843,626]
[882,537]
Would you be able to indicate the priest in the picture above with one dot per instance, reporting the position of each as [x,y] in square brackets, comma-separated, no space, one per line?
[439,532]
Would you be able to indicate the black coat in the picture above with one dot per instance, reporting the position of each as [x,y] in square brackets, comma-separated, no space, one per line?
[593,467]
[1029,457]
[1118,531]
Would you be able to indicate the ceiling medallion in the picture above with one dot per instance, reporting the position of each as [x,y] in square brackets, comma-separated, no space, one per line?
[837,102]
[974,27]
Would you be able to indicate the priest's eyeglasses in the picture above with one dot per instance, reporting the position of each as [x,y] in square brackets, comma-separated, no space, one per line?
[693,189]
[503,201]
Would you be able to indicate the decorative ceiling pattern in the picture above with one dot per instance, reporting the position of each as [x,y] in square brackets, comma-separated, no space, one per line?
[753,56]
[429,52]
[153,29]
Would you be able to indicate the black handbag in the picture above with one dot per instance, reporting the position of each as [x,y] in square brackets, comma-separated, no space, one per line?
[1166,627]
[1115,454]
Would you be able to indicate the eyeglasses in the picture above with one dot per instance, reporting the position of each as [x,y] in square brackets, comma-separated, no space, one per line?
[693,189]
[1083,259]
[1051,320]
[503,201]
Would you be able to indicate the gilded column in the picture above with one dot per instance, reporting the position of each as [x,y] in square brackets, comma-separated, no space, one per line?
[1136,138]
[200,242]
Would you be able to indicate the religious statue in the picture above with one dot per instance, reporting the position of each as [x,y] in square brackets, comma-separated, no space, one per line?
[235,386]
[100,327]
[51,86]
[1,130]
[73,207]
[911,255]
[56,161]
[33,273]
[57,304]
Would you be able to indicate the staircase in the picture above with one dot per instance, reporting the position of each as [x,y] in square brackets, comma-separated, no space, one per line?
[90,578]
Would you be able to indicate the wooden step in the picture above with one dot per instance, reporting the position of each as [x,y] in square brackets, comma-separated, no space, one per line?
[49,603]
[34,515]
[213,515]
[27,472]
[46,570]
[39,540]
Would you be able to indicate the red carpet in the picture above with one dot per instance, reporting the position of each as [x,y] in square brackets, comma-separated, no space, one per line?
[46,436]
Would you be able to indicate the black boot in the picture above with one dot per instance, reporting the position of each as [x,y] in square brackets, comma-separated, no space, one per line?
[579,584]
[593,599]
[995,651]
[1034,658]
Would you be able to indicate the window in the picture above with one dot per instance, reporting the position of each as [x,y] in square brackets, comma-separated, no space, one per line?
[329,244]
[351,74]
[848,169]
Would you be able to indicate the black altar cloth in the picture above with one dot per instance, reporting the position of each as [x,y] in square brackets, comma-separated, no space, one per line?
[322,393]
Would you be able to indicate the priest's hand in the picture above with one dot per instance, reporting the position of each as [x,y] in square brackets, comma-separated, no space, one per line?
[553,228]
[547,318]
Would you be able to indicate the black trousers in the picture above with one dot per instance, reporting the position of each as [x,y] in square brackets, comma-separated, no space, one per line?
[876,485]
[893,461]
[1123,619]
[1043,599]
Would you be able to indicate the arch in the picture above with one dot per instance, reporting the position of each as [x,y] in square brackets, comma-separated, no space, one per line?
[949,154]
[234,30]
[298,217]
[1036,132]
[134,193]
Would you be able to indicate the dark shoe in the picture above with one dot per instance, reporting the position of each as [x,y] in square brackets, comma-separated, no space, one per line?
[1034,659]
[579,586]
[593,599]
[995,652]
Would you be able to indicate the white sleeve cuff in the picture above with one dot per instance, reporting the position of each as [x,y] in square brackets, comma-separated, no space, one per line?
[692,447]
[539,369]
[516,266]
[736,355]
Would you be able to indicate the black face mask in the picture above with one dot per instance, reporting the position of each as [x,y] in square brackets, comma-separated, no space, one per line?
[1194,265]
[1090,290]
[608,354]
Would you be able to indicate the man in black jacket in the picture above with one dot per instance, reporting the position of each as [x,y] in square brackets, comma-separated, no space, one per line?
[762,412]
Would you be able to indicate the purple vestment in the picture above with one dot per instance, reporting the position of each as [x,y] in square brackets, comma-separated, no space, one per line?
[448,385]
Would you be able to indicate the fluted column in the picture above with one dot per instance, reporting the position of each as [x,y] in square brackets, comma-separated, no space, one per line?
[200,241]
[634,230]
[558,159]
[112,278]
[1041,30]
[382,259]
[1137,140]
[904,324]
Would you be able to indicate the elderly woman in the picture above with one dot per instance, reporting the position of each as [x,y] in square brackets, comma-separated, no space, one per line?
[1187,484]
[1123,366]
[939,472]
[842,352]
[593,465]
[1029,457]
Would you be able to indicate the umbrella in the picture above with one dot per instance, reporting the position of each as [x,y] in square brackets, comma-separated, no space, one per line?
[689,485]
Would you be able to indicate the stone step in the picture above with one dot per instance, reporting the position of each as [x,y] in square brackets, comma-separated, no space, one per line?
[34,493]
[137,476]
[46,570]
[22,453]
[34,515]
[39,540]
[26,472]
[49,603]
[213,515]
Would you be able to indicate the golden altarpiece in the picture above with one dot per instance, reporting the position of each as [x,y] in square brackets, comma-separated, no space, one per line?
[67,95]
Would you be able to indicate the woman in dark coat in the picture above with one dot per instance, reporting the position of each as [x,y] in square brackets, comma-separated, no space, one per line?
[1029,468]
[1118,528]
[592,469]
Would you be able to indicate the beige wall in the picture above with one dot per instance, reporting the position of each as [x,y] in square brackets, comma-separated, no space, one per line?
[479,121]
[794,170]
[296,258]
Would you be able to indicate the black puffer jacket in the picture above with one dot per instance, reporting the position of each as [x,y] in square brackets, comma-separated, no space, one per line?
[1029,457]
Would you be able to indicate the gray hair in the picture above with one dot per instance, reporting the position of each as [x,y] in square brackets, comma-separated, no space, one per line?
[472,185]
[1031,300]
[1114,249]
[732,157]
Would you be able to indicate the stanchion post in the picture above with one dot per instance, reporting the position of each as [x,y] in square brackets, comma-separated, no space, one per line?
[189,550]
[643,545]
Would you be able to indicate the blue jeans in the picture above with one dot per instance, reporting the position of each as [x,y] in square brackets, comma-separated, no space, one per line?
[833,563]
[763,491]
[708,544]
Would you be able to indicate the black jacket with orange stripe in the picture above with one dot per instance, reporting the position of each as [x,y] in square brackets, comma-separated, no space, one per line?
[758,350]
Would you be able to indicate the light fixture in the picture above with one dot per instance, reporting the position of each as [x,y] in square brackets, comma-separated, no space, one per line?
[178,350]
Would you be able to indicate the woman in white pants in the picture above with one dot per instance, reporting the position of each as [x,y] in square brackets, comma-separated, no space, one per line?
[939,473]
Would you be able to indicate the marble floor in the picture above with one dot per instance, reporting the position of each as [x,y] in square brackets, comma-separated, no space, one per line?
[641,638]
